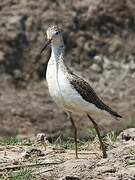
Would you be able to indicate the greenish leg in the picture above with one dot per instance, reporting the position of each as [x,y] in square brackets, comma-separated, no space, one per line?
[99,136]
[75,135]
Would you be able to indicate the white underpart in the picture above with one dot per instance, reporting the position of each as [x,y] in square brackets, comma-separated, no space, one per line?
[61,91]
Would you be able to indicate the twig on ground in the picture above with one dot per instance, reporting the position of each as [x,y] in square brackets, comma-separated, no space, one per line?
[44,171]
[14,167]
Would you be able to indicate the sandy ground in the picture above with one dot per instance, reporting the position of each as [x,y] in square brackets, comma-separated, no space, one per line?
[99,36]
[57,163]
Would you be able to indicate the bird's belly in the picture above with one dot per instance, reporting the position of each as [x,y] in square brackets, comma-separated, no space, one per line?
[73,102]
[55,94]
[76,104]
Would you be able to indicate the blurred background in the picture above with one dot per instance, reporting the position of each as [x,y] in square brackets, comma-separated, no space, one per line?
[100,46]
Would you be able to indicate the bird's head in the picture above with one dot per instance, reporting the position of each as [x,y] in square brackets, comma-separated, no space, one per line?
[54,37]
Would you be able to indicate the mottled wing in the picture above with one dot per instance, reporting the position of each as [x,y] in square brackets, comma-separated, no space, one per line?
[88,94]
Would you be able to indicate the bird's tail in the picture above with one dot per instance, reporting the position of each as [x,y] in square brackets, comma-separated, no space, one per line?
[115,115]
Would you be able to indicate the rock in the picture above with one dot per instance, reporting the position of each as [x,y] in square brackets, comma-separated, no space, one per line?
[41,137]
[106,169]
[71,178]
[96,68]
[98,60]
[126,135]
[33,152]
[107,65]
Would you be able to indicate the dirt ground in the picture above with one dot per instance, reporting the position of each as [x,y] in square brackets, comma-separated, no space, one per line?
[57,163]
[99,37]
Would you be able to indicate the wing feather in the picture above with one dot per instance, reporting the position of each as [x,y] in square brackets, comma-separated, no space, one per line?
[88,94]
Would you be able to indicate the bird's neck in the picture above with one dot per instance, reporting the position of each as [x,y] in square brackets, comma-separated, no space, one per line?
[57,59]
[57,54]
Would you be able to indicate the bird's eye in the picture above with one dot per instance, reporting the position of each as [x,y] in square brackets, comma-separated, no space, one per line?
[57,33]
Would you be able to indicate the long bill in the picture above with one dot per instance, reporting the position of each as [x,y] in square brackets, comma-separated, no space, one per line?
[45,46]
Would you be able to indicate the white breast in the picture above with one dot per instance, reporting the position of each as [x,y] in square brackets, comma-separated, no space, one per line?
[52,81]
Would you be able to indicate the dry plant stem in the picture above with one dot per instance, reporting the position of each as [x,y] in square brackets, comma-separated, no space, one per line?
[99,136]
[14,167]
[44,171]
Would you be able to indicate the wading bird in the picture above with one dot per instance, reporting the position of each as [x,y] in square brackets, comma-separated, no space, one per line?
[70,92]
